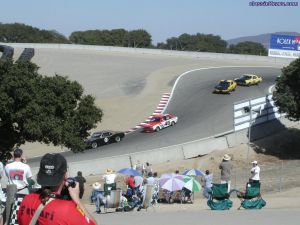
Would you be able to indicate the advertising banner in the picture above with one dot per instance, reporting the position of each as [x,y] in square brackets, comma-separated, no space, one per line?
[285,42]
[286,46]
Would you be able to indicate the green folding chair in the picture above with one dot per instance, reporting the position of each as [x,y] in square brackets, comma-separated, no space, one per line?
[108,188]
[219,197]
[251,199]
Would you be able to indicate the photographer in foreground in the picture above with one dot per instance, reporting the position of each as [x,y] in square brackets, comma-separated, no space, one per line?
[52,176]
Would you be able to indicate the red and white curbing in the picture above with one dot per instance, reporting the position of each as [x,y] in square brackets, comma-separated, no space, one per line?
[159,110]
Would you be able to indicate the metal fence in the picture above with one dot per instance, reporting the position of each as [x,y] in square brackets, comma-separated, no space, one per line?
[274,177]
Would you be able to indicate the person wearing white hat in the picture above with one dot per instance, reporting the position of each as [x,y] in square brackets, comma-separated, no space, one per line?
[110,176]
[109,181]
[226,168]
[255,170]
[97,196]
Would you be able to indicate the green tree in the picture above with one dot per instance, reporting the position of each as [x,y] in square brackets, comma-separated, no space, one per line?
[174,43]
[248,48]
[118,37]
[198,42]
[42,108]
[21,33]
[287,91]
[139,39]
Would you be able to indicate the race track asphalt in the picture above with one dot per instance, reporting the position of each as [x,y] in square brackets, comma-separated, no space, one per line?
[201,113]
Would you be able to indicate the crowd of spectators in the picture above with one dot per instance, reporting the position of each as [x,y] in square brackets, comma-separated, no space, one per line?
[65,193]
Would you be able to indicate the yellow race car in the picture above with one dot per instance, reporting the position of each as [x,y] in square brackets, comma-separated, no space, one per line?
[248,79]
[225,86]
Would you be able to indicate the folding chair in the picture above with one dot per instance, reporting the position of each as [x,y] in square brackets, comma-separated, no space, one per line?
[113,201]
[251,199]
[147,198]
[108,188]
[219,197]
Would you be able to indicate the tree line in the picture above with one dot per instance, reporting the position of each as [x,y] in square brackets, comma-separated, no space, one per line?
[21,33]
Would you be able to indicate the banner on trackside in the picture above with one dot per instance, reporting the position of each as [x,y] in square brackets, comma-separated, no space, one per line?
[284,46]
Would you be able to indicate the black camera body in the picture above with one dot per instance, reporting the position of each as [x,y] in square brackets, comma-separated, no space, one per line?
[65,192]
[71,182]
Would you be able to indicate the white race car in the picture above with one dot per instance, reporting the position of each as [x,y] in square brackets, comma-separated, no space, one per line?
[156,123]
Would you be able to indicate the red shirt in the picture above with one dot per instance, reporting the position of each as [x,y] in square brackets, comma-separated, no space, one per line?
[56,212]
[130,182]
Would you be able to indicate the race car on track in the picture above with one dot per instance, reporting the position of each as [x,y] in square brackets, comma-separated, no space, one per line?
[248,79]
[104,137]
[225,86]
[156,123]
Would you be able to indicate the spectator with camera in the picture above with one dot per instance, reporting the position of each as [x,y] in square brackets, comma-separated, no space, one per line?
[48,205]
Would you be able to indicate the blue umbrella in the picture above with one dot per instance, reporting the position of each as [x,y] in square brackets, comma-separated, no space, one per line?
[130,171]
[193,172]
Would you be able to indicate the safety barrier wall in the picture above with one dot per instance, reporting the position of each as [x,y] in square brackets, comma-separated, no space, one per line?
[179,152]
[206,55]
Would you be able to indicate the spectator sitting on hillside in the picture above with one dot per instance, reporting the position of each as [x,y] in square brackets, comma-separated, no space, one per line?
[130,185]
[150,179]
[97,196]
[109,181]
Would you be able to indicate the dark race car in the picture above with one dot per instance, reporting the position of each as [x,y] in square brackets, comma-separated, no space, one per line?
[104,137]
[248,79]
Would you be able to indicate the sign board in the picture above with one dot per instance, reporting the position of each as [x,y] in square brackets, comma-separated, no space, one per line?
[284,46]
[254,111]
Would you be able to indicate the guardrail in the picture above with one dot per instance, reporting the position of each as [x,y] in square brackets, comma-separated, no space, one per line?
[201,55]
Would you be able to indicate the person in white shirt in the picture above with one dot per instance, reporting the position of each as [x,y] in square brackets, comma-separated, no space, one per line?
[109,181]
[110,176]
[150,179]
[2,195]
[148,169]
[139,167]
[255,170]
[18,172]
